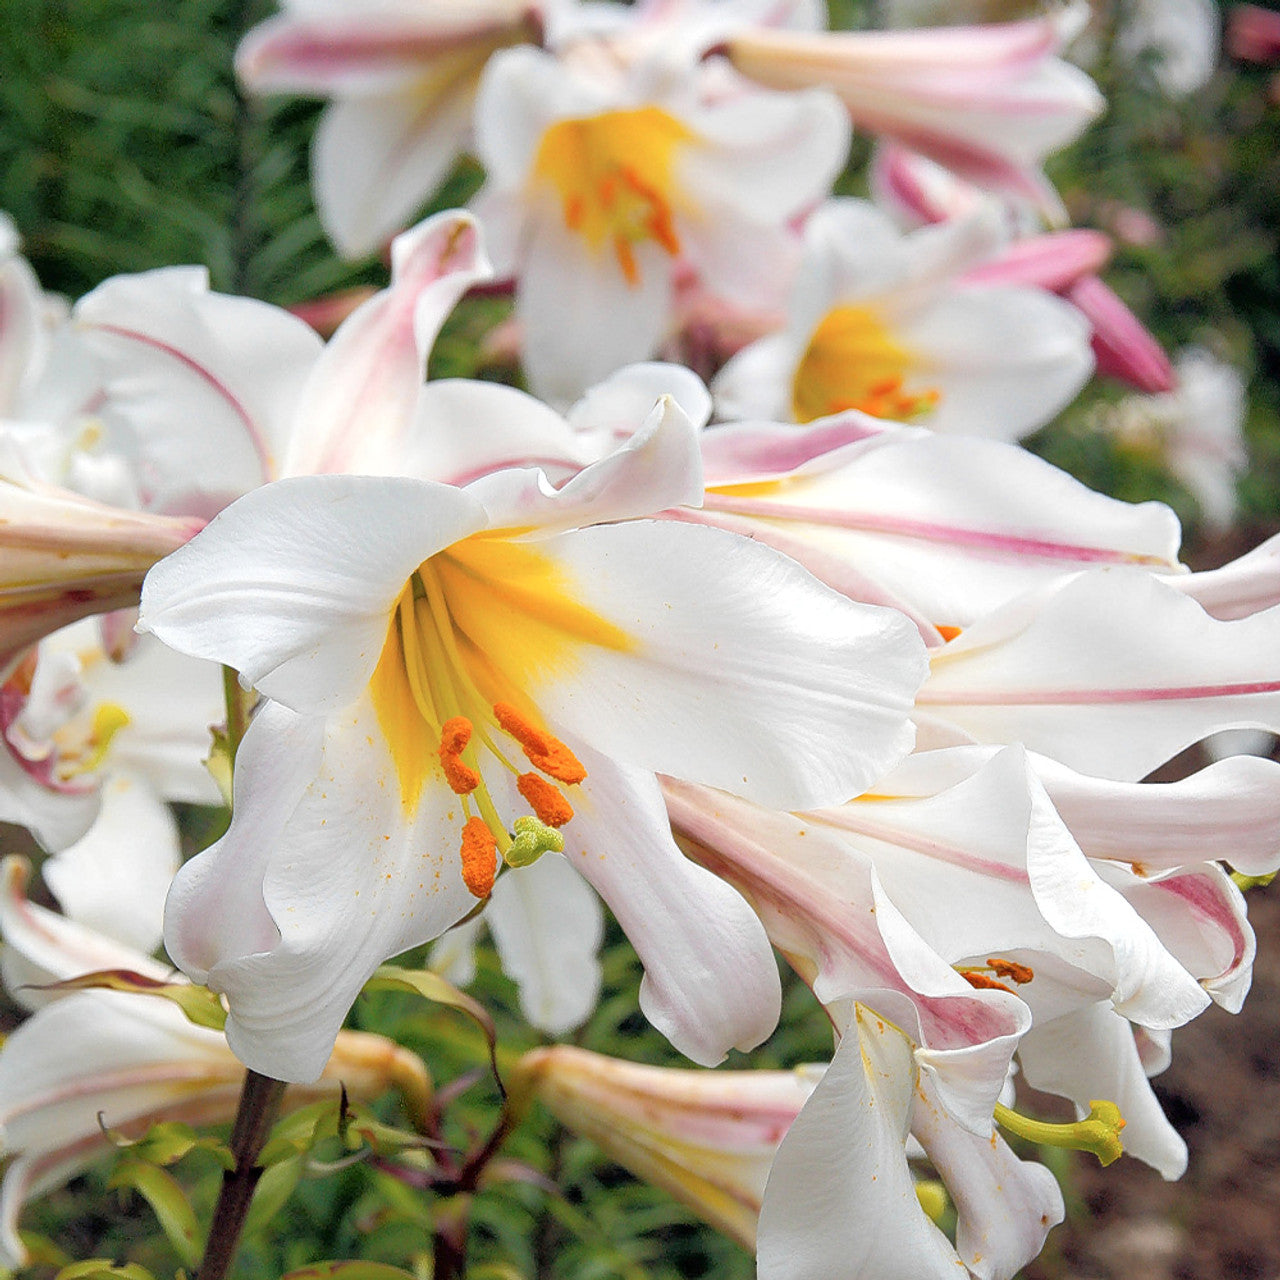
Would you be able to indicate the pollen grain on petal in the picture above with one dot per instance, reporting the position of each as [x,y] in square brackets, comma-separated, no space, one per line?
[479,857]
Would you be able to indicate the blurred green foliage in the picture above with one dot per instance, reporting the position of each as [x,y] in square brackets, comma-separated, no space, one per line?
[125,145]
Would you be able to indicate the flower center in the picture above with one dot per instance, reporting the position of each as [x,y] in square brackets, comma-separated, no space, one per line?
[853,362]
[614,175]
[472,627]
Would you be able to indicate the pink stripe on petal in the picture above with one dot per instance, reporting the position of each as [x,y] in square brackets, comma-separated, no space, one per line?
[1088,697]
[265,461]
[1006,544]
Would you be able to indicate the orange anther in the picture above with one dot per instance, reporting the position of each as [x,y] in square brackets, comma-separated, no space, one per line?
[982,982]
[626,260]
[454,736]
[547,803]
[479,857]
[1019,973]
[541,749]
[949,633]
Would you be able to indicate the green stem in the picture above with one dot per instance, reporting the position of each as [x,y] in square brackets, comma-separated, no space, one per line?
[260,1100]
[239,703]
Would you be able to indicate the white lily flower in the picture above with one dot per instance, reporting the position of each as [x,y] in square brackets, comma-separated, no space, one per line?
[1180,36]
[403,76]
[416,638]
[881,322]
[602,184]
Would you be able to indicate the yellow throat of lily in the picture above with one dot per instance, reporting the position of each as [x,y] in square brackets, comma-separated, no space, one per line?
[614,175]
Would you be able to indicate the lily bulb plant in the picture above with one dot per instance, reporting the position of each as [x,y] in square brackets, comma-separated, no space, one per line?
[797,657]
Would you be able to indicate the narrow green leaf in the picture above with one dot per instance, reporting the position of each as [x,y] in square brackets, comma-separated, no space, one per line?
[350,1270]
[169,1141]
[104,1269]
[431,986]
[169,1202]
[200,1005]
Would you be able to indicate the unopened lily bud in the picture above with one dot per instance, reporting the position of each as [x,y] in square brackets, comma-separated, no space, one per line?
[707,1137]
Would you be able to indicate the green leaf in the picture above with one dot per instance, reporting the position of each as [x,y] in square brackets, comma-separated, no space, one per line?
[104,1269]
[169,1141]
[273,1191]
[200,1005]
[350,1270]
[299,1131]
[431,986]
[169,1202]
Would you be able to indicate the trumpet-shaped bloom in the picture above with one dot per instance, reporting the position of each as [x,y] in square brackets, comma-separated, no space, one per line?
[879,322]
[403,76]
[66,556]
[988,102]
[98,1058]
[600,184]
[707,1137]
[417,640]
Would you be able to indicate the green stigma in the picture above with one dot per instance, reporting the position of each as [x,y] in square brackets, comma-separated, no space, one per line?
[531,840]
[1098,1132]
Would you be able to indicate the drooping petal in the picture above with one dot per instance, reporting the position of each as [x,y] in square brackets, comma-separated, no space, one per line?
[319,834]
[358,405]
[295,584]
[1005,1207]
[710,980]
[840,1199]
[547,926]
[1243,586]
[1231,808]
[1091,1054]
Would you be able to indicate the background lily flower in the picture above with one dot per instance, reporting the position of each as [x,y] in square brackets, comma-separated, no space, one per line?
[989,102]
[607,182]
[537,631]
[1196,430]
[403,75]
[881,322]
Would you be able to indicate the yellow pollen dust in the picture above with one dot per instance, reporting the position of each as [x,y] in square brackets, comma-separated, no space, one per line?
[473,628]
[853,362]
[614,175]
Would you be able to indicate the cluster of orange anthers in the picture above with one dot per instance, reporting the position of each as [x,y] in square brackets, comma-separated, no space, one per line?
[479,850]
[639,211]
[1017,973]
[887,399]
